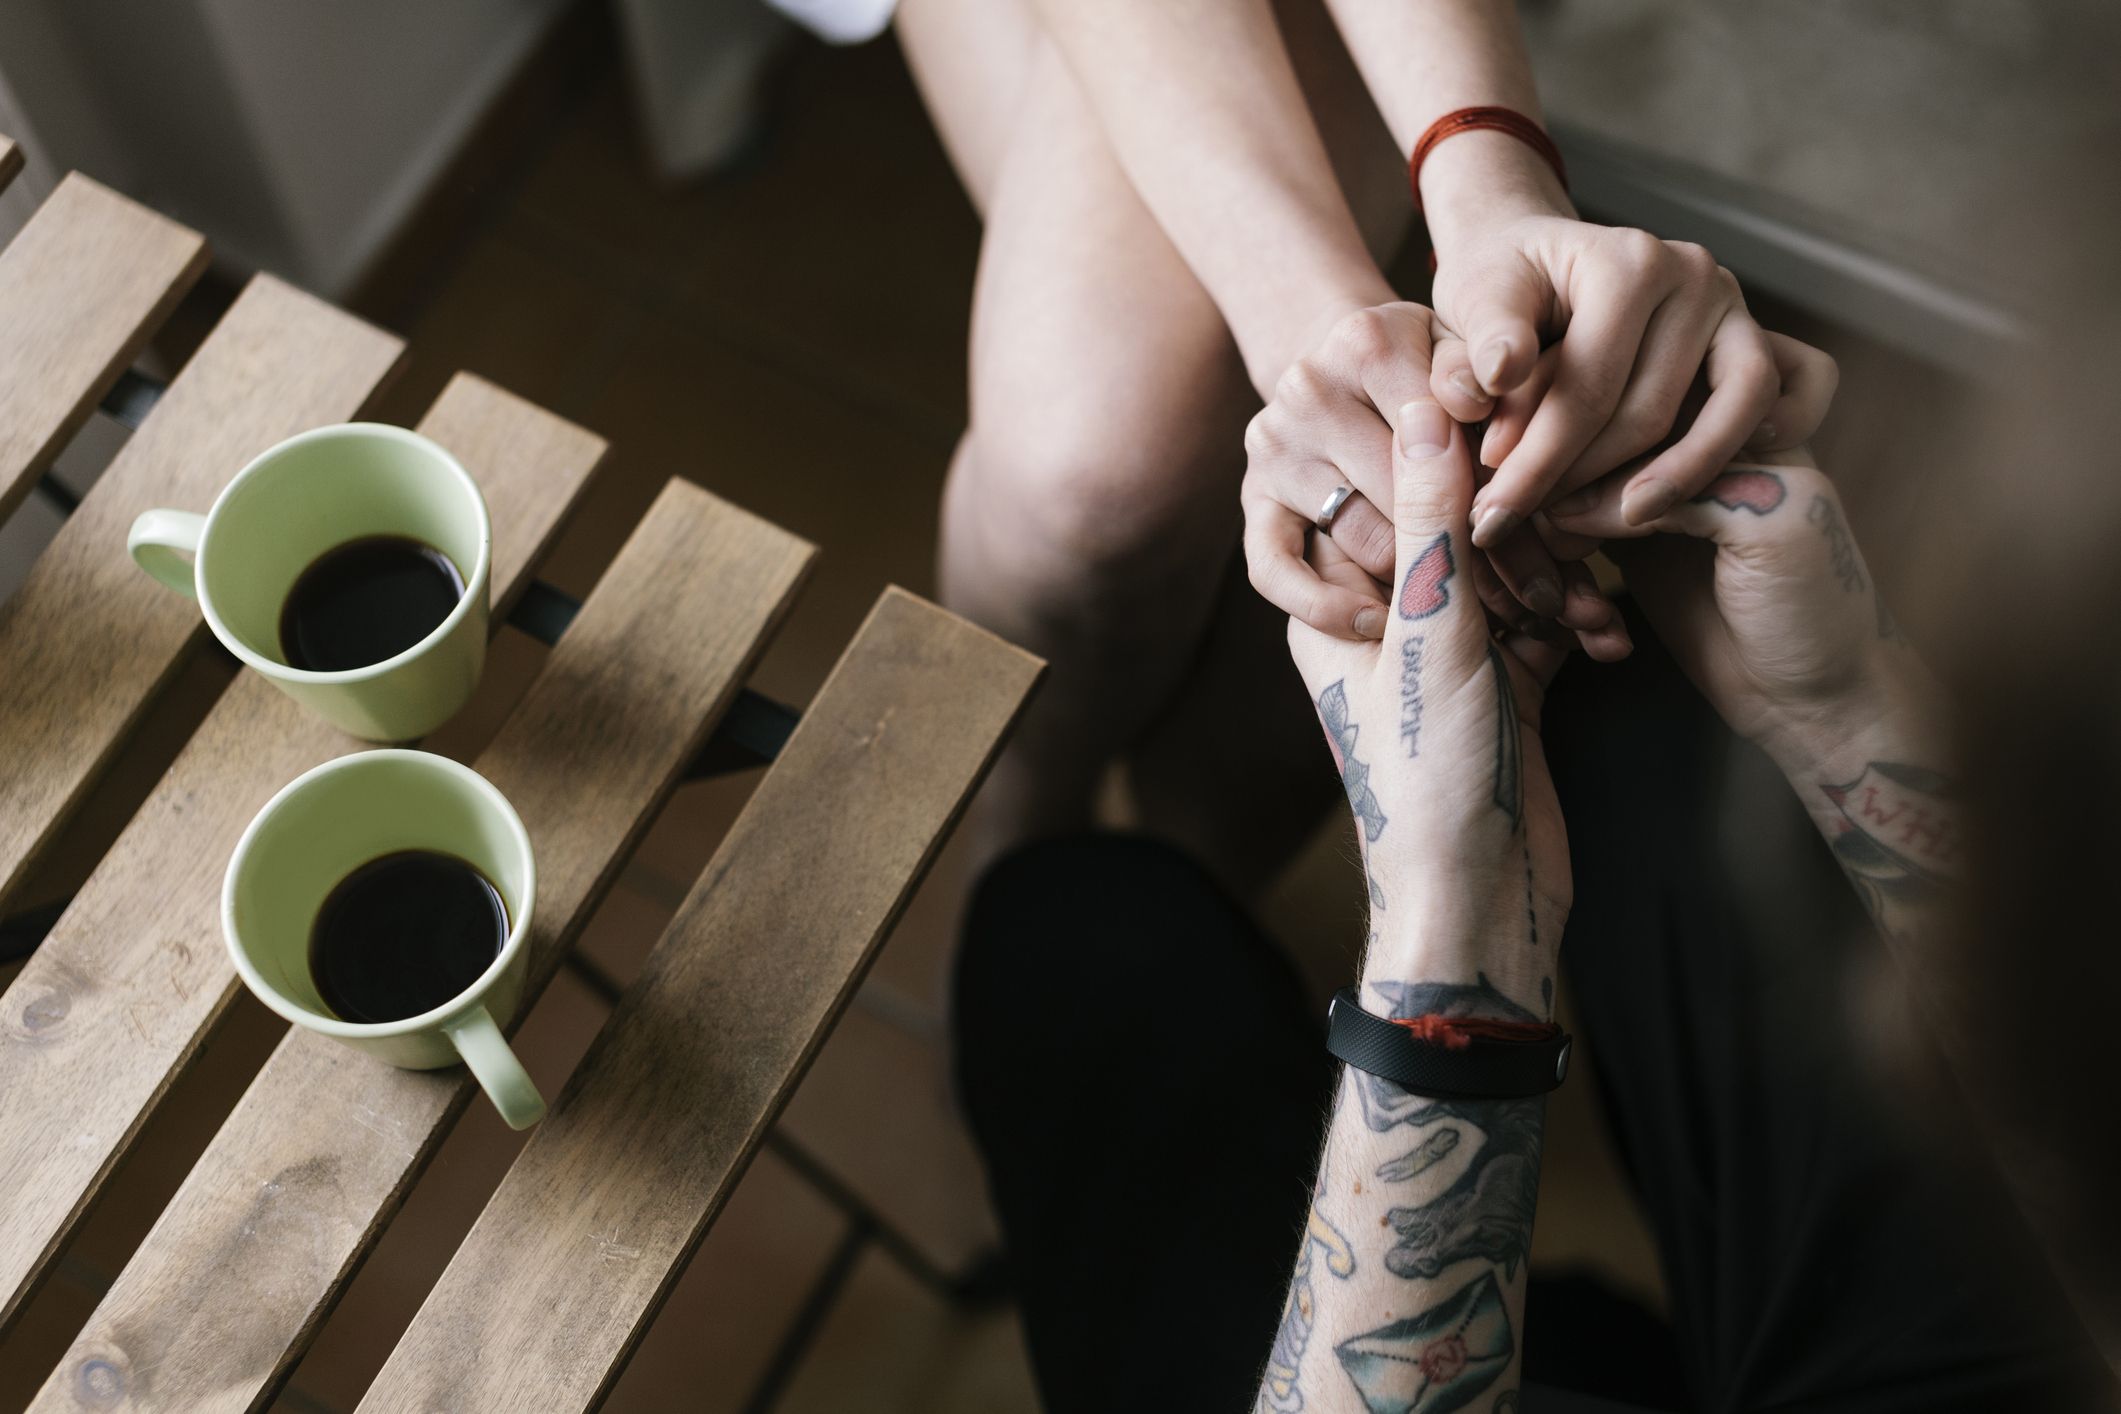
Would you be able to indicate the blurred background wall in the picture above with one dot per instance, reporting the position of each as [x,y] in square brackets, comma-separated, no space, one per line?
[298,135]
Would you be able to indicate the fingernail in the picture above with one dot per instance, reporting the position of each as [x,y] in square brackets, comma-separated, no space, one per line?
[1575,503]
[1491,524]
[1424,429]
[1762,435]
[1467,388]
[1488,435]
[1370,622]
[1494,356]
[1543,597]
[1646,500]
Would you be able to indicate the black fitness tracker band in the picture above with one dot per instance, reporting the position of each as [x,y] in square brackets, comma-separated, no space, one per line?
[1486,1068]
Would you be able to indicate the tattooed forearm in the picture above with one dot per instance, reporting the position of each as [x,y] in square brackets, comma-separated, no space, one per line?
[1487,1210]
[1282,1389]
[1410,696]
[1438,1359]
[1509,746]
[1840,545]
[1455,1223]
[1430,1205]
[1441,1141]
[1897,836]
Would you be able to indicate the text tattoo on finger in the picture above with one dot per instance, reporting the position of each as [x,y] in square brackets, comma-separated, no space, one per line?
[1427,587]
[1840,545]
[1745,489]
[1410,695]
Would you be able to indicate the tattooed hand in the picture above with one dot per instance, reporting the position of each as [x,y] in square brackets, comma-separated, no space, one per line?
[1408,1293]
[1758,588]
[1435,732]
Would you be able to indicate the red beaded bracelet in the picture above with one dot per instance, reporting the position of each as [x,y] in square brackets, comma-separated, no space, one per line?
[1456,1033]
[1501,120]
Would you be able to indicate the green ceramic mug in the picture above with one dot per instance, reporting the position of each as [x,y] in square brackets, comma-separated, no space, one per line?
[305,496]
[328,822]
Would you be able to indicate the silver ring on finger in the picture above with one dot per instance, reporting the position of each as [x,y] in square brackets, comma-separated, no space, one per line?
[1324,519]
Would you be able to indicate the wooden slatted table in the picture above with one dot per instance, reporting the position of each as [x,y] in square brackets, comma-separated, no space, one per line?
[614,1192]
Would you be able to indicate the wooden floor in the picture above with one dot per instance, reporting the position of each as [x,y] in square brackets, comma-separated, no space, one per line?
[790,335]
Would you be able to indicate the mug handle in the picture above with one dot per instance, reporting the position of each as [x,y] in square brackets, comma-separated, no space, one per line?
[498,1071]
[155,539]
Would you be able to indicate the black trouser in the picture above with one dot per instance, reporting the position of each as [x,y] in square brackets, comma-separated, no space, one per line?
[1148,1086]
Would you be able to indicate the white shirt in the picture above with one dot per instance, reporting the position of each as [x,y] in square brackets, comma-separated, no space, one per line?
[841,21]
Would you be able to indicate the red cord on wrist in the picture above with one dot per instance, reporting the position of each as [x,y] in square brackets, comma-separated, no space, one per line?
[1501,120]
[1455,1033]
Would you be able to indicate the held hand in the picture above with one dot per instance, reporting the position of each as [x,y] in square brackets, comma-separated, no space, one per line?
[1330,424]
[1636,319]
[1435,732]
[1760,591]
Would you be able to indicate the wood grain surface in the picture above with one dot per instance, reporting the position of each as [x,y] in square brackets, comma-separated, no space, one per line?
[88,640]
[116,1001]
[82,286]
[222,1297]
[549,1293]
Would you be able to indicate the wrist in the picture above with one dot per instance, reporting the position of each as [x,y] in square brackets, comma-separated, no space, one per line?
[1306,316]
[1890,712]
[1444,938]
[1475,182]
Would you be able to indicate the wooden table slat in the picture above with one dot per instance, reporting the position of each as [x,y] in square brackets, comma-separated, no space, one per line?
[10,160]
[118,998]
[82,286]
[222,1297]
[88,640]
[554,1285]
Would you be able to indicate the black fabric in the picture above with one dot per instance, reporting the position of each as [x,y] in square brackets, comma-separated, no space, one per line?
[1148,1088]
[1822,1251]
[1147,1083]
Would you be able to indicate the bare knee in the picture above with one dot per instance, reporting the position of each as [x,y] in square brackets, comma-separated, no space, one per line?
[1112,511]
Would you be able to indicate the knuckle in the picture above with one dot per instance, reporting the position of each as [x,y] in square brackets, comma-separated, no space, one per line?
[1300,383]
[1364,337]
[1643,425]
[1263,436]
[1634,250]
[1693,257]
[1727,284]
[1826,369]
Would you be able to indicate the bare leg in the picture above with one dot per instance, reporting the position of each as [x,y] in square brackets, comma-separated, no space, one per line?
[1091,505]
[1091,511]
[1232,770]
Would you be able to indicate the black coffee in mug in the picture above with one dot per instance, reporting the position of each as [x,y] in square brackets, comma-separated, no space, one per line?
[403,934]
[367,600]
